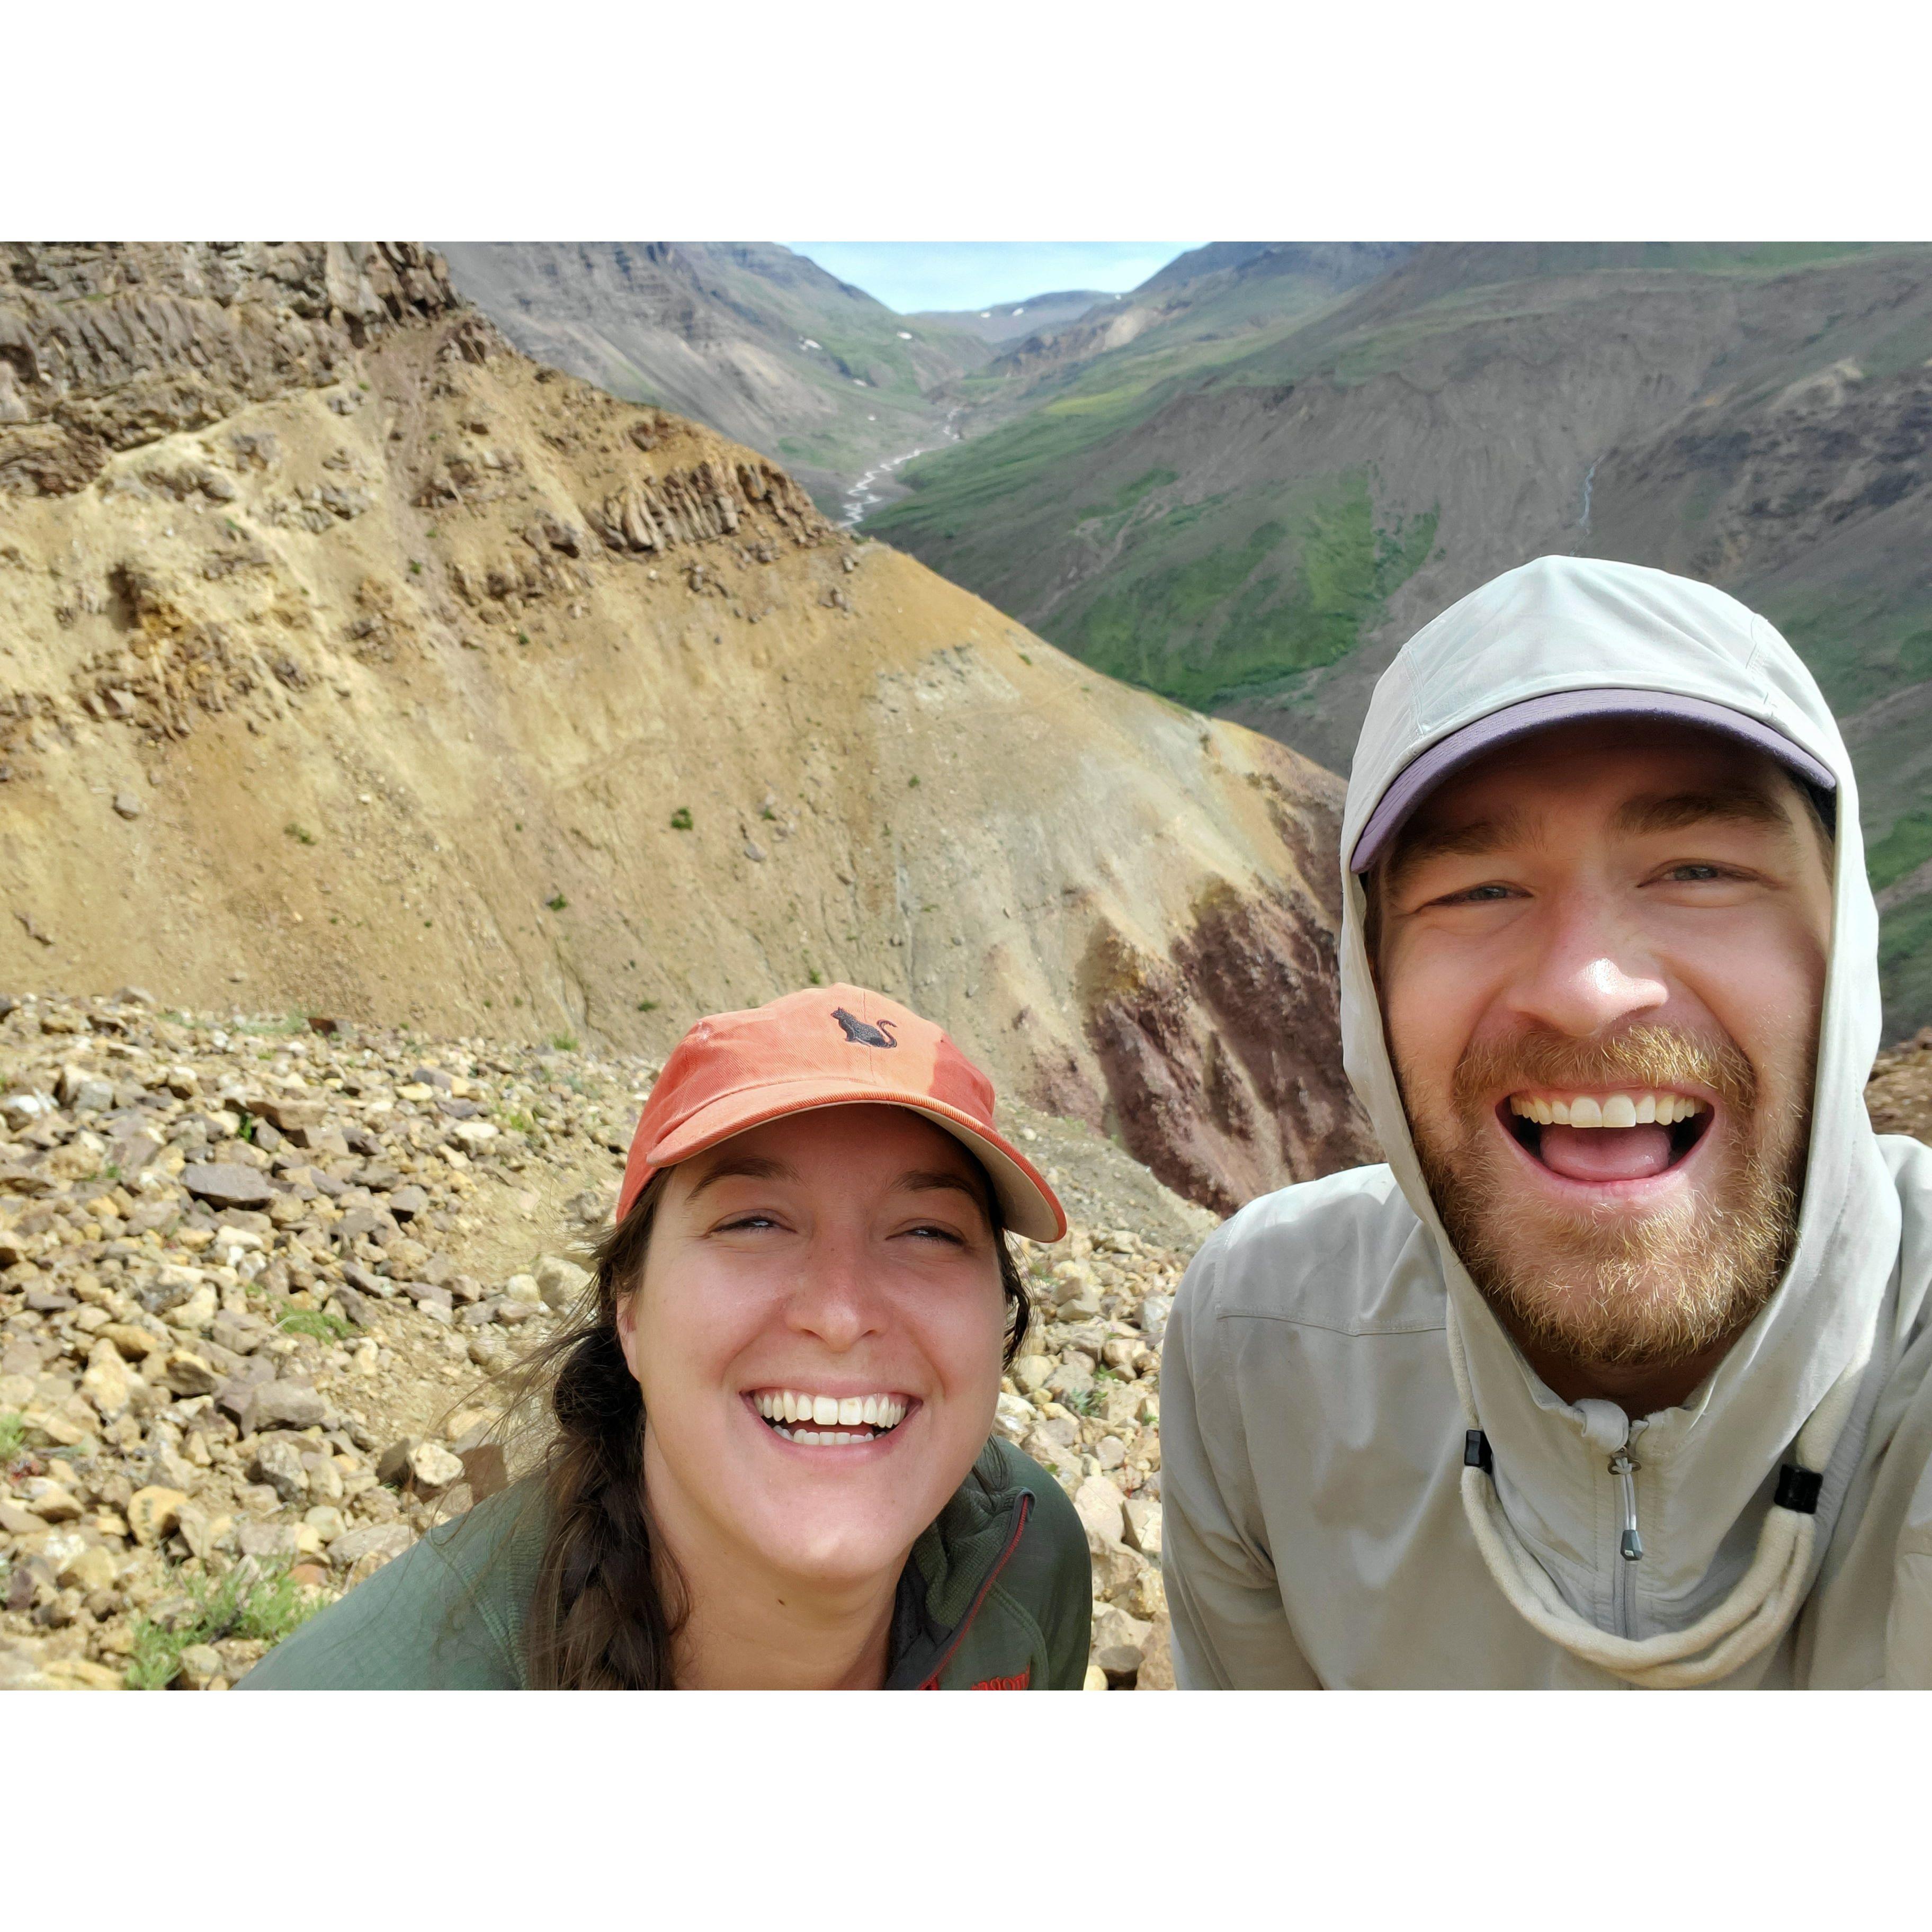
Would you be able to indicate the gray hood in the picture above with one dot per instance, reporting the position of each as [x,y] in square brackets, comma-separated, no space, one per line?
[1562,624]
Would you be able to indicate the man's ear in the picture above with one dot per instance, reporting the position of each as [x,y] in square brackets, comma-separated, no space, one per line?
[1372,922]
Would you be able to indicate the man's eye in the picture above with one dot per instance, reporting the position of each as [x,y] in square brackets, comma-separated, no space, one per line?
[1696,873]
[1476,895]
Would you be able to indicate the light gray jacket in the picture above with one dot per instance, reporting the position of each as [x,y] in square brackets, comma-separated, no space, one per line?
[1322,1528]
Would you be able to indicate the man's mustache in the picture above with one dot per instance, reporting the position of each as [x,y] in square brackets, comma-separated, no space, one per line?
[1644,1056]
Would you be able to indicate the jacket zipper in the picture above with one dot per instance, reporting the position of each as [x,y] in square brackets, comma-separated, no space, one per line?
[1624,1467]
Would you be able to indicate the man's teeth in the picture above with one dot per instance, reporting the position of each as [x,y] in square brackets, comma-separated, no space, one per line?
[1612,1110]
[834,1416]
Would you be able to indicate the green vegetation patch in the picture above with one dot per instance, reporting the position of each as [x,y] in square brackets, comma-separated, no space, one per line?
[1905,966]
[257,1602]
[1296,591]
[317,1324]
[1904,849]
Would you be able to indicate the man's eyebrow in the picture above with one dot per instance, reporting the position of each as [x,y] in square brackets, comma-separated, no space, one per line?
[1470,841]
[1672,811]
[751,1167]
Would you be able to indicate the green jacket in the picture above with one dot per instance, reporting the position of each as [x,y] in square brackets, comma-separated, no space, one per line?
[996,1596]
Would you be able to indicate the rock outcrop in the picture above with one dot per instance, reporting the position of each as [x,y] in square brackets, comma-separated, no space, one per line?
[355,664]
[105,347]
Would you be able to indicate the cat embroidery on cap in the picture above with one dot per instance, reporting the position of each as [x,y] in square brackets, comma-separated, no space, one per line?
[862,1033]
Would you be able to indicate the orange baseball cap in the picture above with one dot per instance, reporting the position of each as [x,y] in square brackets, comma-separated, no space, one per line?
[829,1046]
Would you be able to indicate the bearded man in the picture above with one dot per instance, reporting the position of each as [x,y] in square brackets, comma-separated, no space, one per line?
[1619,1373]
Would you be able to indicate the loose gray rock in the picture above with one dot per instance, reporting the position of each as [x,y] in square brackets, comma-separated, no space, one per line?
[560,1282]
[278,1462]
[280,1405]
[1101,1508]
[432,1468]
[1143,1514]
[382,1540]
[227,1184]
[258,1538]
[289,1116]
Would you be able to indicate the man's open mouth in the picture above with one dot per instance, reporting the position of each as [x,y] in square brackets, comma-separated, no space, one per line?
[828,1421]
[1631,1135]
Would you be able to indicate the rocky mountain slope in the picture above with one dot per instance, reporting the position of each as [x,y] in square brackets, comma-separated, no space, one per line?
[254,1281]
[1250,501]
[356,665]
[759,343]
[1012,321]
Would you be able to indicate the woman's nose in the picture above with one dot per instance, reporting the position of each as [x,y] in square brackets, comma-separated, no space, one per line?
[832,1297]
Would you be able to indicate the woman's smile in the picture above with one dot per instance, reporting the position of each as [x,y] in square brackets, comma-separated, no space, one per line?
[816,1420]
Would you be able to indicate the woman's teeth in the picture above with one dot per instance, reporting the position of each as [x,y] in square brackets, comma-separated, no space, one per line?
[834,1417]
[1611,1110]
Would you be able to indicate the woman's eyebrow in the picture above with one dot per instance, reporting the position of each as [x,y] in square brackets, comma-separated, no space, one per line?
[751,1167]
[920,1179]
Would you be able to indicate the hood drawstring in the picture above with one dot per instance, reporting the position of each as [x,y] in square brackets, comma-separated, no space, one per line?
[1751,1617]
[1630,1546]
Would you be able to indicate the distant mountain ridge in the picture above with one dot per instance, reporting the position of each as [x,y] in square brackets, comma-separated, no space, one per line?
[759,342]
[1010,322]
[1266,479]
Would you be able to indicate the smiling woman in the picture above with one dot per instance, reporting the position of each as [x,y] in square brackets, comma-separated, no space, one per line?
[770,1463]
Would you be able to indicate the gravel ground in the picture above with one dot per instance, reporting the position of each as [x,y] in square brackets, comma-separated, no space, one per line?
[254,1271]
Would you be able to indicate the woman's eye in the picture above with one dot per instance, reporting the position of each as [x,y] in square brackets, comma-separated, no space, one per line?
[937,1235]
[747,1221]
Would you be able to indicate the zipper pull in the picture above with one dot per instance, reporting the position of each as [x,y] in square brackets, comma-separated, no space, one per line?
[1630,1547]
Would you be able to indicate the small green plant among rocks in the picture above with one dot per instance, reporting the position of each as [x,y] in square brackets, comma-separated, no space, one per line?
[12,1435]
[680,819]
[556,902]
[317,1323]
[564,1042]
[253,1600]
[299,833]
[651,1005]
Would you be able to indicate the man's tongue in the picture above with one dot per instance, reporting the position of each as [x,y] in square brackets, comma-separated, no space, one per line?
[1606,1153]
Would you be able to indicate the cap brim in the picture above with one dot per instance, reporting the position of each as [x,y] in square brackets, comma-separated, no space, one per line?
[1423,773]
[1030,1206]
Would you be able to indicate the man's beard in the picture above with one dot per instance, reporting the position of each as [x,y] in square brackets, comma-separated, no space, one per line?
[1604,1289]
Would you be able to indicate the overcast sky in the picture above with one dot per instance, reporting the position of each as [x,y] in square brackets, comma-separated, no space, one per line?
[911,275]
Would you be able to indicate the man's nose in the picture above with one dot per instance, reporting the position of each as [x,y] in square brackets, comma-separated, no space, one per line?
[833,1298]
[1589,971]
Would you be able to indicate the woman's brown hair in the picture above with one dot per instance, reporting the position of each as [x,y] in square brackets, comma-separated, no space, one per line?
[606,1610]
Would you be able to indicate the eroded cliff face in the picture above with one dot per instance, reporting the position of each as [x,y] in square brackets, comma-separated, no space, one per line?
[352,662]
[104,347]
[1219,1054]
